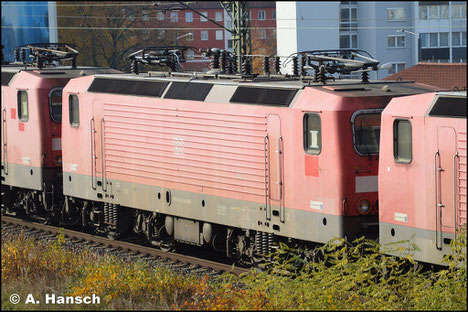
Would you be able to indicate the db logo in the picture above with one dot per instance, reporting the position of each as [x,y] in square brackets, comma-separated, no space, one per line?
[178,146]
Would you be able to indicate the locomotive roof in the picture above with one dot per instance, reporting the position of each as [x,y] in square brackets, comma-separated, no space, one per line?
[343,87]
[9,71]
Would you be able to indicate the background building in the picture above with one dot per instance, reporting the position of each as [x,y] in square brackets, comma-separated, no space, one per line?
[25,22]
[206,34]
[376,27]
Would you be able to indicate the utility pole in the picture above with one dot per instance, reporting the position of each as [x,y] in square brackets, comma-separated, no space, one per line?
[241,38]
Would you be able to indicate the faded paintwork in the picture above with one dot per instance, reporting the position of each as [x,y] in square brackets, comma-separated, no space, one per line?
[30,147]
[130,148]
[407,191]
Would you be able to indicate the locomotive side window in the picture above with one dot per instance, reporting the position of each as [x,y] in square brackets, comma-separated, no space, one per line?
[312,134]
[366,131]
[73,109]
[55,104]
[402,141]
[23,113]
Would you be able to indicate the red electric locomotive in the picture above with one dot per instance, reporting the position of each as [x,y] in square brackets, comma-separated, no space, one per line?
[422,174]
[31,167]
[230,161]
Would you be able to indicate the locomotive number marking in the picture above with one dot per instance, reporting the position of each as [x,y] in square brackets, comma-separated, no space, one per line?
[178,146]
[314,139]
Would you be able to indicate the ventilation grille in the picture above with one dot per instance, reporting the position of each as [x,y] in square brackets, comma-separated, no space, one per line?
[128,87]
[188,91]
[449,107]
[6,77]
[263,96]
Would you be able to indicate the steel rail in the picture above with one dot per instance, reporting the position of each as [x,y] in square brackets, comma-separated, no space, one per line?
[127,246]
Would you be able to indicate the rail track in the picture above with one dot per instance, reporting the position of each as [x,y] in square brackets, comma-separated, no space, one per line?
[173,260]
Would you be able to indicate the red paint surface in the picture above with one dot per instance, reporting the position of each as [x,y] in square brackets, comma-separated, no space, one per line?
[311,166]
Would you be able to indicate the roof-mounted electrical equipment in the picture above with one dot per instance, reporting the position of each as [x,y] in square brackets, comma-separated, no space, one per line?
[46,54]
[342,61]
[170,56]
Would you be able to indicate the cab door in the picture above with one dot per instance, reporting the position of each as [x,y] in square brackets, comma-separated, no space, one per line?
[4,140]
[97,133]
[446,176]
[276,166]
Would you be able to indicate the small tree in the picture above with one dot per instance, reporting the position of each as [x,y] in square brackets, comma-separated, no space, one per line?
[105,33]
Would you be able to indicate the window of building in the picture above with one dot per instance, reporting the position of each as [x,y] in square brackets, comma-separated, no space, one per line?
[459,38]
[145,15]
[312,134]
[55,104]
[443,10]
[402,150]
[190,54]
[174,17]
[160,16]
[344,15]
[433,12]
[229,43]
[23,109]
[366,130]
[161,34]
[423,12]
[396,14]
[348,19]
[191,36]
[204,35]
[73,109]
[396,41]
[219,16]
[396,67]
[443,39]
[262,33]
[348,41]
[274,14]
[433,39]
[261,15]
[228,23]
[459,11]
[424,40]
[219,35]
[189,17]
[203,19]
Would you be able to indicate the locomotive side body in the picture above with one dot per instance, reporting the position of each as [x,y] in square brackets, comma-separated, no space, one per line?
[422,174]
[31,139]
[270,159]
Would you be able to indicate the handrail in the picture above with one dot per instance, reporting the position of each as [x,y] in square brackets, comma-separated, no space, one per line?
[455,195]
[104,184]
[280,182]
[93,157]
[436,171]
[267,208]
[4,146]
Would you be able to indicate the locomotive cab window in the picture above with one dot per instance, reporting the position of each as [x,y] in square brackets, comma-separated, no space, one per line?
[366,131]
[312,134]
[73,109]
[402,141]
[55,104]
[23,114]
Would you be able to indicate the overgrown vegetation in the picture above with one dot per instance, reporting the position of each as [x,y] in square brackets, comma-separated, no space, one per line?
[356,277]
